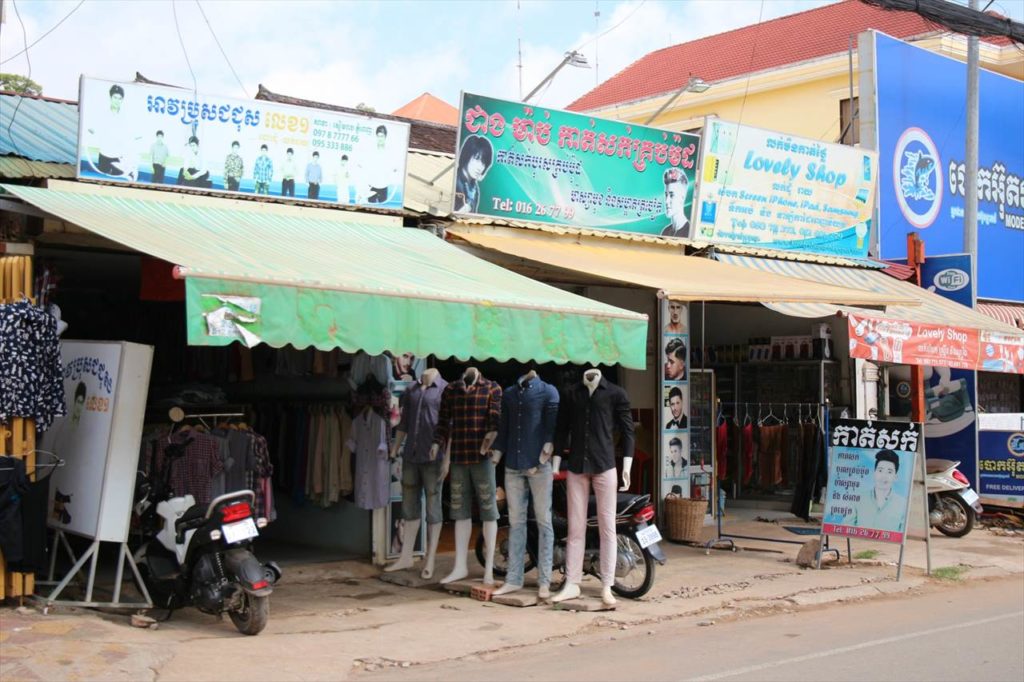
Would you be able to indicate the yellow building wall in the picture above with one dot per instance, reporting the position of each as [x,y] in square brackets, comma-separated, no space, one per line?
[808,109]
[800,99]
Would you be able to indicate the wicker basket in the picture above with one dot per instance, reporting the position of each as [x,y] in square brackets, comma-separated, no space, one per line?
[684,518]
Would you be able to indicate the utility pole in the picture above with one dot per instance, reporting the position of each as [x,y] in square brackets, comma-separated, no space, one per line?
[971,162]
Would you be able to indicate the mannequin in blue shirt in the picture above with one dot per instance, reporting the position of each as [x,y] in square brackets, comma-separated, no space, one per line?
[526,436]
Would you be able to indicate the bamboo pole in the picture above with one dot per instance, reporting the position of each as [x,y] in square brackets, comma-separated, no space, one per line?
[19,437]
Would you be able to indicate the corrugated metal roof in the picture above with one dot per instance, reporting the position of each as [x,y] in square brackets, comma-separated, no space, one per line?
[12,167]
[380,287]
[428,182]
[676,276]
[43,130]
[674,242]
[1011,314]
[933,309]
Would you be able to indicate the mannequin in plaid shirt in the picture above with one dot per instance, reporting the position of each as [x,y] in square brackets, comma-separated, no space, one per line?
[469,417]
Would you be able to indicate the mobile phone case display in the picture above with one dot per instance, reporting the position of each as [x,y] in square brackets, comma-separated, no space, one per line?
[423,470]
[469,419]
[674,394]
[590,413]
[707,438]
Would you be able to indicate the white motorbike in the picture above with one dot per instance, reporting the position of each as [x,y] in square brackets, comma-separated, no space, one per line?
[952,503]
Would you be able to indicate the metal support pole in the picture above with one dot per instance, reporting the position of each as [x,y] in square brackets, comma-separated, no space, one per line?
[95,549]
[971,154]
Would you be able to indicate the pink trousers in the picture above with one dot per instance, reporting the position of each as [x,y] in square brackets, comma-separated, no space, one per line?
[579,495]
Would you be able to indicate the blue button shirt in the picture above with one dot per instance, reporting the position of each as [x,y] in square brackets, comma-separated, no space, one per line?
[529,411]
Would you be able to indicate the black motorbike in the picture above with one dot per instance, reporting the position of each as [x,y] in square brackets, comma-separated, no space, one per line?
[636,538]
[195,555]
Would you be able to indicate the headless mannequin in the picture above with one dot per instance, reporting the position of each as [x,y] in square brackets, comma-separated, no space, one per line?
[591,380]
[411,530]
[464,527]
[544,592]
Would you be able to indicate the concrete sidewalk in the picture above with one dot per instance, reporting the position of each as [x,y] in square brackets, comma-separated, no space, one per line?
[333,620]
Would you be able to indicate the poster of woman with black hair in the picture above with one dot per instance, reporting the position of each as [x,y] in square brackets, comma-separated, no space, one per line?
[475,160]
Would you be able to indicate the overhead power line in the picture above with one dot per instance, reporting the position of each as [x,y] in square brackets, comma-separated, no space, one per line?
[221,48]
[957,18]
[36,41]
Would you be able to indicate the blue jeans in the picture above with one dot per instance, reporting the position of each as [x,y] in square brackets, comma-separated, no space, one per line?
[422,477]
[467,478]
[520,484]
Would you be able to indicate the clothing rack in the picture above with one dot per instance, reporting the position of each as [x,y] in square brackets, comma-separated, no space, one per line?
[177,415]
[54,464]
[730,538]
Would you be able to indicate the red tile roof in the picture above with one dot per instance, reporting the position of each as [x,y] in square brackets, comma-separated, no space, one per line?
[426,107]
[771,44]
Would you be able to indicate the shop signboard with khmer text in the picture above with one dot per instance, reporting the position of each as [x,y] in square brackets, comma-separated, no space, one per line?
[518,161]
[922,176]
[919,343]
[870,474]
[772,190]
[159,136]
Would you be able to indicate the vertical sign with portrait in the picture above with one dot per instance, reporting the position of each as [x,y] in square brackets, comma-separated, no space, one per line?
[105,386]
[870,479]
[674,399]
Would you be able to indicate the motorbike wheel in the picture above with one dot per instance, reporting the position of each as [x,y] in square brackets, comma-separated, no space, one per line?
[252,617]
[957,516]
[640,578]
[501,553]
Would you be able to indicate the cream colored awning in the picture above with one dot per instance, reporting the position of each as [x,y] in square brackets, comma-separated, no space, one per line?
[676,276]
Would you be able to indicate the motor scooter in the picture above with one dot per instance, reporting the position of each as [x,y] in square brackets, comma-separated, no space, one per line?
[636,537]
[199,556]
[952,503]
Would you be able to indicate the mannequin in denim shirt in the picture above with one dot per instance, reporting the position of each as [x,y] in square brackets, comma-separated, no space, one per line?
[420,475]
[529,410]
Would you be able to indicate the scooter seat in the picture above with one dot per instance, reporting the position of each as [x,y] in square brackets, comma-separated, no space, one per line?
[196,511]
[622,501]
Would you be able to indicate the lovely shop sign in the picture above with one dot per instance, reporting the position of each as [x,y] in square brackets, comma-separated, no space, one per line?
[912,343]
[521,162]
[777,191]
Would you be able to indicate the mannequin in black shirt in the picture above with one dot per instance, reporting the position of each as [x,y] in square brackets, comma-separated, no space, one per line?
[587,418]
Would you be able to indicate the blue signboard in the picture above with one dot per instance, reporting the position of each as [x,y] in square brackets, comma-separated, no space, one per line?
[921,137]
[1002,465]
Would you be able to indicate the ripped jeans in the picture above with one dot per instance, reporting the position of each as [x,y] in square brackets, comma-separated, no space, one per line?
[467,479]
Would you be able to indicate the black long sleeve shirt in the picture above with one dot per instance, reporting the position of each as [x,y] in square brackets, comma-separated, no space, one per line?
[586,425]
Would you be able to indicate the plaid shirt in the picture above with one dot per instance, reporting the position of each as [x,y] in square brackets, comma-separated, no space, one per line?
[467,415]
[263,171]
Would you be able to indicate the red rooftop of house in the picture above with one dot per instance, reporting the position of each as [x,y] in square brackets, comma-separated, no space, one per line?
[426,107]
[787,40]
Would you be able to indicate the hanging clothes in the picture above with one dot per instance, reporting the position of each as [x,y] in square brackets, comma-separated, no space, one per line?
[747,448]
[722,449]
[31,375]
[811,470]
[14,484]
[192,465]
[773,445]
[369,445]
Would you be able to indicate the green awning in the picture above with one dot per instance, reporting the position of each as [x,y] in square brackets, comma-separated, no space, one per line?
[280,274]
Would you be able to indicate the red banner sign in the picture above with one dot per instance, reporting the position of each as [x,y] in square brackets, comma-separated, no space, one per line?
[912,343]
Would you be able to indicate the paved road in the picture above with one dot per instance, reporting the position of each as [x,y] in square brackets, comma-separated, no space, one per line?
[960,633]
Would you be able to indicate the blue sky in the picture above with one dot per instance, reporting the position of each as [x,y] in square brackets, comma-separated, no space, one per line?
[379,53]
